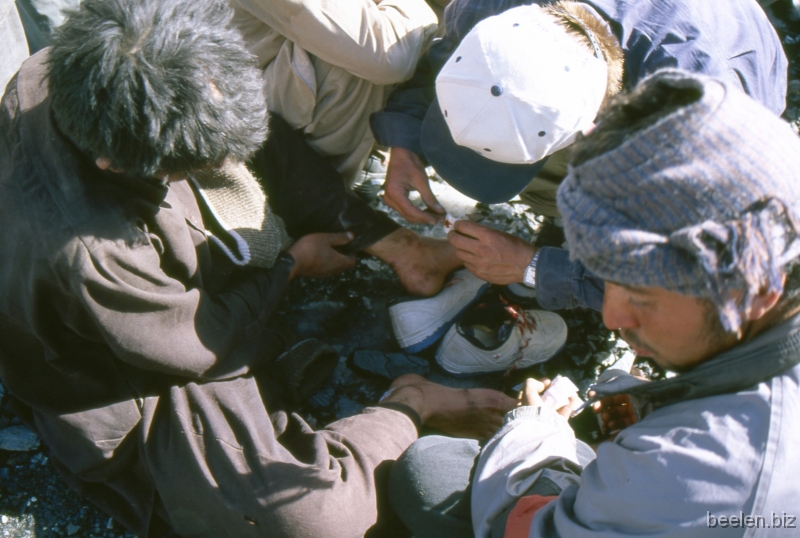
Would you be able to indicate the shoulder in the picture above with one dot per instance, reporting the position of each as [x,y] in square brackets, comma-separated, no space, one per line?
[701,454]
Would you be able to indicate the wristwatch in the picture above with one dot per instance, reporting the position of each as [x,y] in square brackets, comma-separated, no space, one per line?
[529,278]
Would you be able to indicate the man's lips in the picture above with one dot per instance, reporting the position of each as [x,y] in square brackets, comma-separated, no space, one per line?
[636,344]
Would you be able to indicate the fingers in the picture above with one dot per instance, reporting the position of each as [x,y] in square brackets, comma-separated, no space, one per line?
[531,393]
[404,174]
[337,239]
[615,412]
[461,241]
[396,197]
[474,230]
[534,386]
[430,201]
[315,256]
[567,410]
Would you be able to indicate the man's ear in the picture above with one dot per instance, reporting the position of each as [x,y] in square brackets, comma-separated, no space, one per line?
[764,302]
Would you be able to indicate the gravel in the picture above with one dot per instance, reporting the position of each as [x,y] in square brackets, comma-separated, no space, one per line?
[350,313]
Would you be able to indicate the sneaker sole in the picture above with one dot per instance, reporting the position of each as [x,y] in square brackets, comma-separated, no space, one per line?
[413,341]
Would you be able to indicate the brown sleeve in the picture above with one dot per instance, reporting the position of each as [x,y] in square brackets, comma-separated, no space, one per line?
[157,322]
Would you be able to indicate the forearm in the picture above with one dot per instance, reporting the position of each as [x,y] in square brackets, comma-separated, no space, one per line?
[379,43]
[156,323]
[533,442]
[399,124]
[562,284]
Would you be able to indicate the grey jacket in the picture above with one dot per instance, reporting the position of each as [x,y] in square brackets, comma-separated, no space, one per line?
[719,441]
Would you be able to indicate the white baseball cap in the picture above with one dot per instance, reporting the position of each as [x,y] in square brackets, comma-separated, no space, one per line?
[517,88]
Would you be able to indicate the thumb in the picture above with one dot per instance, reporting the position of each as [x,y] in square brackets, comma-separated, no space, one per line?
[429,199]
[533,390]
[336,239]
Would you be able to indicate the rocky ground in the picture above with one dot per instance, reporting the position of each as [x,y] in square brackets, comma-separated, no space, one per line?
[350,312]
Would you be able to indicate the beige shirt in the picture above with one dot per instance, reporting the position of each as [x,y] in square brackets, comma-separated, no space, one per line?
[329,64]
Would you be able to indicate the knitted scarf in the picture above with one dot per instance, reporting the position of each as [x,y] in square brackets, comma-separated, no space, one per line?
[249,233]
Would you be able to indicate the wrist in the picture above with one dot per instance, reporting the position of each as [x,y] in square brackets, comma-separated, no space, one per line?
[291,260]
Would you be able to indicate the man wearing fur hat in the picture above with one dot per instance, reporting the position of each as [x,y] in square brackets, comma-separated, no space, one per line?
[515,82]
[140,274]
[684,200]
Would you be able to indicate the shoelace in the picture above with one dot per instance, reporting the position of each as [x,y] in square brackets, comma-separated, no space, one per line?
[526,325]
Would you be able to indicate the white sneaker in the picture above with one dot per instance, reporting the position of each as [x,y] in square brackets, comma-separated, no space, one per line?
[418,323]
[497,336]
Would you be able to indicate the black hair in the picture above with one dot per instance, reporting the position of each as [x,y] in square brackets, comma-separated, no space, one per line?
[630,112]
[156,85]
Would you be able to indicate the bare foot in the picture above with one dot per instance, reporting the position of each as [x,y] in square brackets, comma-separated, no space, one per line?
[472,413]
[421,263]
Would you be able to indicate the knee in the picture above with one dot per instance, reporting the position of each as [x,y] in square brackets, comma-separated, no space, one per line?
[429,486]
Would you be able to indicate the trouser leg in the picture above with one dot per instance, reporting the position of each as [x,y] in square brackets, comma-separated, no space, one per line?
[429,487]
[224,468]
[309,194]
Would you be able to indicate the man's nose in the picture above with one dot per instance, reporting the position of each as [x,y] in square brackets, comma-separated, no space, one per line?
[617,312]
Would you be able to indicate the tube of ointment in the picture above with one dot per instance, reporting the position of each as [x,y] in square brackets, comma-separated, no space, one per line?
[558,393]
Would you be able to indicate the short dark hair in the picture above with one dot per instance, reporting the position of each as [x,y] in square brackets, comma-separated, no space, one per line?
[630,112]
[156,85]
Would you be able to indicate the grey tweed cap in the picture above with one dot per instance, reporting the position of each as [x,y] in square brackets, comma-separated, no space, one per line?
[705,202]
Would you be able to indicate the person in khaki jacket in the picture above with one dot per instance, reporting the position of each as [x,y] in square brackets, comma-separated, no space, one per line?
[140,278]
[329,64]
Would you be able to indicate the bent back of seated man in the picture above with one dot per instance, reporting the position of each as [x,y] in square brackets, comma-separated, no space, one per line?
[147,356]
[328,65]
[689,212]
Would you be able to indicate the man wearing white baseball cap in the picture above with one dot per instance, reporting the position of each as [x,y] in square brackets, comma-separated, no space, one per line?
[517,81]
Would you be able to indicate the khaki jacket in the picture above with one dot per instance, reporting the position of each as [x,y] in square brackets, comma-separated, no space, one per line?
[329,64]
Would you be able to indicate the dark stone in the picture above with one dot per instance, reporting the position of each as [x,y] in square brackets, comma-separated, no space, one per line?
[18,439]
[346,407]
[389,365]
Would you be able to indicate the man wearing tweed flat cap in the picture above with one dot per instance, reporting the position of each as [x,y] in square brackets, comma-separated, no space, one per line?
[685,200]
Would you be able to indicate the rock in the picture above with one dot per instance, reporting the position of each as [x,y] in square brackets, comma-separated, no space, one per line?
[373,265]
[346,407]
[322,399]
[389,365]
[604,358]
[72,529]
[18,439]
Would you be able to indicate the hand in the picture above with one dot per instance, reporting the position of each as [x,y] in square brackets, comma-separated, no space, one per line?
[489,254]
[531,396]
[314,255]
[473,413]
[404,174]
[616,412]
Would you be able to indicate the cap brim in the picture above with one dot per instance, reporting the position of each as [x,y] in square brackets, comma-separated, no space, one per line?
[481,179]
